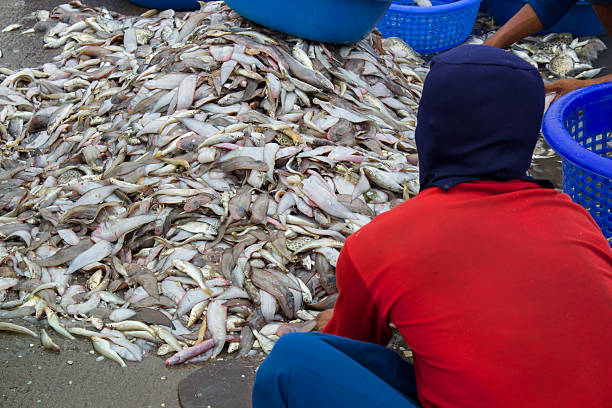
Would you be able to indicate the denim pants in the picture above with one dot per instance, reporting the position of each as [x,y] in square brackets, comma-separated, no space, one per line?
[321,370]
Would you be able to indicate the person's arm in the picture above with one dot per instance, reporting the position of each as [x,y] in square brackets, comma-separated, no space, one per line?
[355,314]
[524,23]
[563,86]
[531,18]
[604,13]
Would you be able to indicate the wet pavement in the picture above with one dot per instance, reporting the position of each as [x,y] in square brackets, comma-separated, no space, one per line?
[34,377]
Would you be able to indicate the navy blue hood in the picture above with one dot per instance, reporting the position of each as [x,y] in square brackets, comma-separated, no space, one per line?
[479,117]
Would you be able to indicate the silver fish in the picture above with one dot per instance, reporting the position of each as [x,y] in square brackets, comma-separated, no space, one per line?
[103,347]
[154,155]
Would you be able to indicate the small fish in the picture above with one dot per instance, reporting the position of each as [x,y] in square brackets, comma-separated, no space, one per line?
[96,253]
[166,336]
[47,342]
[215,321]
[55,323]
[103,347]
[561,65]
[11,27]
[193,272]
[169,174]
[130,325]
[588,74]
[118,315]
[15,328]
[69,236]
[111,231]
[79,331]
[265,343]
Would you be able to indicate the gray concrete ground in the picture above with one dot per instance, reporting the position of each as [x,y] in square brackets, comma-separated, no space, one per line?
[34,377]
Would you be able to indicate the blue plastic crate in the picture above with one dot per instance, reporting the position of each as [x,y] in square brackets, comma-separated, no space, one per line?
[579,128]
[334,21]
[580,20]
[430,29]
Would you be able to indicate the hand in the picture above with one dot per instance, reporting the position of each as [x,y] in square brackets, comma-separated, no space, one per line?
[563,86]
[322,318]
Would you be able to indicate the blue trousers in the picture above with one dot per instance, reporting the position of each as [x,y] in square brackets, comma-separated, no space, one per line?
[551,11]
[306,370]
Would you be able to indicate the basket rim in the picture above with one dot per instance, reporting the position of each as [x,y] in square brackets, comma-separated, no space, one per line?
[455,5]
[563,143]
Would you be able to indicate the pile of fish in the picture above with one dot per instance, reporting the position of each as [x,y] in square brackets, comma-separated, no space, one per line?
[183,182]
[556,55]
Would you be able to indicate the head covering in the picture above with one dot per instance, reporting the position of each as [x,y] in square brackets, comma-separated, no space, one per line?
[479,117]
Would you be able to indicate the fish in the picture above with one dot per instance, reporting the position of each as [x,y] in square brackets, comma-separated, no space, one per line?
[168,337]
[47,342]
[215,321]
[193,351]
[103,347]
[95,253]
[193,272]
[79,331]
[589,73]
[11,27]
[66,254]
[555,55]
[264,342]
[55,323]
[118,315]
[15,328]
[130,325]
[561,65]
[199,172]
[112,230]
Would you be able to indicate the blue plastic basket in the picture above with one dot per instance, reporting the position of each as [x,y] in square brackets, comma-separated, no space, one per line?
[579,128]
[168,4]
[580,20]
[430,29]
[334,21]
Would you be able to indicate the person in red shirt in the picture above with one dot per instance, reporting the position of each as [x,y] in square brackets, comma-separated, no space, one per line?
[500,285]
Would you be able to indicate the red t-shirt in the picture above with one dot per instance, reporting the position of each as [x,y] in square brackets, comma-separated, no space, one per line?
[503,290]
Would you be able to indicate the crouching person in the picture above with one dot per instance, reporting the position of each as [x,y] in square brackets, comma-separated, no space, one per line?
[501,285]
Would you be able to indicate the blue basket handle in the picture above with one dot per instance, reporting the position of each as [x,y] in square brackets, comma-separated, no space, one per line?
[562,142]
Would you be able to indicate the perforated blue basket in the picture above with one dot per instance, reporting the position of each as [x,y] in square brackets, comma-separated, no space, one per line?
[430,29]
[579,128]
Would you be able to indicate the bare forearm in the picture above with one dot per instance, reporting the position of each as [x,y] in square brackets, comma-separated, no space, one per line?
[563,86]
[604,13]
[521,25]
[600,80]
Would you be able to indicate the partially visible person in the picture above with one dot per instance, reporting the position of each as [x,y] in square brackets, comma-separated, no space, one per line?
[500,285]
[537,15]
